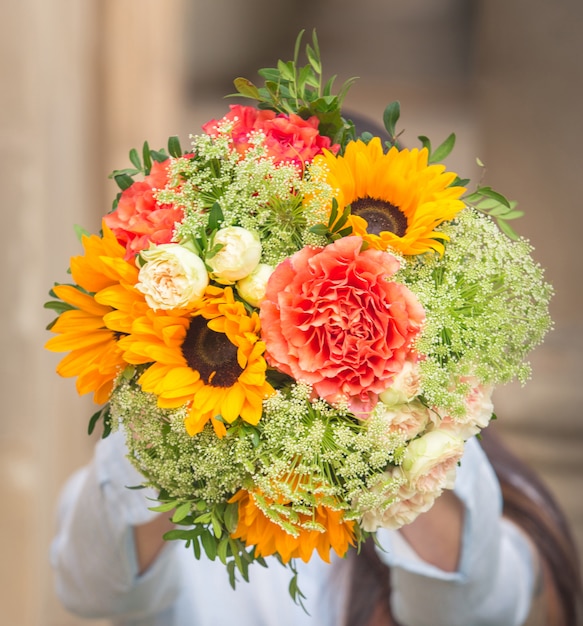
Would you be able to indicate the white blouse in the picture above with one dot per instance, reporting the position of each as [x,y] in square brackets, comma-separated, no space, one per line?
[96,571]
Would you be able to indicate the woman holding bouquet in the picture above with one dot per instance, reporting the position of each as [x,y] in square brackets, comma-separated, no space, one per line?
[464,562]
[297,331]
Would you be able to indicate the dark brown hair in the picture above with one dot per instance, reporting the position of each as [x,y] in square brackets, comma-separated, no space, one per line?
[529,504]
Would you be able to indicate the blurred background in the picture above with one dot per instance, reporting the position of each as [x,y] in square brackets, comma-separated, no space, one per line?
[83,82]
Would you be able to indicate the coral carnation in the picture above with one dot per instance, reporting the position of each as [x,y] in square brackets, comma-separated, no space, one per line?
[288,137]
[138,219]
[331,318]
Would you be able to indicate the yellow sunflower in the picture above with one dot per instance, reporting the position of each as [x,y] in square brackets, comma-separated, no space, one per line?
[254,528]
[95,357]
[396,199]
[210,359]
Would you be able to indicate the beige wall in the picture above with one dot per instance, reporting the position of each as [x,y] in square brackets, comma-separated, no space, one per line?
[82,82]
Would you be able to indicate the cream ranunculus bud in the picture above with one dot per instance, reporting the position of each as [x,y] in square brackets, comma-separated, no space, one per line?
[238,257]
[252,287]
[172,277]
[430,462]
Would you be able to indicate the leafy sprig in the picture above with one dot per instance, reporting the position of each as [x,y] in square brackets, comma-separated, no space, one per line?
[291,88]
[492,203]
[124,178]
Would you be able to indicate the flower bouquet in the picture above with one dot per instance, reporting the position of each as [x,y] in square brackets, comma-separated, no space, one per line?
[296,324]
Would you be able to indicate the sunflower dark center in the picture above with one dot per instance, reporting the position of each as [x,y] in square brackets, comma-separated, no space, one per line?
[211,354]
[380,216]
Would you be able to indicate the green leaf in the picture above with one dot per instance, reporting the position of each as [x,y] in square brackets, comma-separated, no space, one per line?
[298,44]
[425,142]
[58,306]
[80,232]
[216,217]
[174,148]
[222,550]
[182,510]
[287,70]
[344,89]
[93,421]
[319,229]
[391,116]
[314,59]
[507,230]
[217,526]
[490,193]
[196,548]
[231,572]
[159,155]
[178,534]
[165,507]
[135,159]
[231,516]
[246,88]
[146,155]
[305,76]
[513,215]
[209,544]
[443,150]
[123,181]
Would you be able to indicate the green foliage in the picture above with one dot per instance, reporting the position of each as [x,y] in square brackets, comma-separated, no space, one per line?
[494,204]
[291,88]
[124,178]
[103,414]
[59,306]
[336,227]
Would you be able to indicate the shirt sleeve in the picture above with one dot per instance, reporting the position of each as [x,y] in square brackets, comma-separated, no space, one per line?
[495,578]
[93,553]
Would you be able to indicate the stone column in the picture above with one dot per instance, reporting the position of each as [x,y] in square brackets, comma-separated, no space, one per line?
[82,83]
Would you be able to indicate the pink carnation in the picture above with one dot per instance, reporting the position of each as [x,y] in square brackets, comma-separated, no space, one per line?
[331,318]
[288,137]
[139,219]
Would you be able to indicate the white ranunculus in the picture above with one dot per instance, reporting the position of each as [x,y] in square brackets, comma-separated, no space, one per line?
[404,386]
[252,287]
[172,277]
[238,257]
[430,461]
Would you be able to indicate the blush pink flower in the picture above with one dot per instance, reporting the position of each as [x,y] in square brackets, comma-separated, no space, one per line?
[288,137]
[479,409]
[139,219]
[332,318]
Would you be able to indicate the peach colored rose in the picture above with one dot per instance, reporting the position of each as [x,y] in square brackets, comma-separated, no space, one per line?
[430,462]
[288,137]
[332,319]
[138,219]
[479,409]
[405,386]
[410,418]
[405,506]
